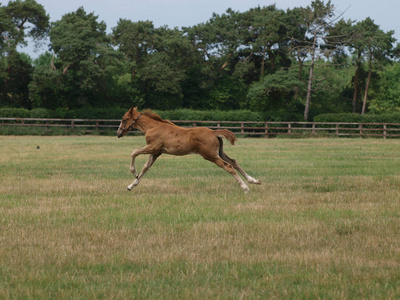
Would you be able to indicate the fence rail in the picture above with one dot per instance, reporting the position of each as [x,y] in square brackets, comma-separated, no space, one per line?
[244,128]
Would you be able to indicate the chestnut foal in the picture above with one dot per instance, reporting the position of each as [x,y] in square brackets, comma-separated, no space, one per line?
[163,136]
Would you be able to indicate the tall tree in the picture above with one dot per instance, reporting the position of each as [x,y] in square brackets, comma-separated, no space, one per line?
[345,40]
[159,59]
[79,41]
[166,68]
[76,37]
[369,45]
[317,18]
[19,20]
[268,32]
[135,40]
[377,47]
[298,41]
[224,36]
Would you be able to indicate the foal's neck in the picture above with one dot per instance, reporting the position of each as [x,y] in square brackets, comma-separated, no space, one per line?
[145,123]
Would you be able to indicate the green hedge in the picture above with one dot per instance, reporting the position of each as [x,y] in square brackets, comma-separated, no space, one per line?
[14,113]
[117,113]
[24,113]
[211,115]
[195,115]
[93,113]
[357,118]
[82,113]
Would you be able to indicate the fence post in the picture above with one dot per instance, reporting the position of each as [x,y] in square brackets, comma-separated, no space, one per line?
[384,131]
[360,128]
[289,128]
[242,128]
[97,124]
[337,129]
[266,130]
[72,124]
[313,128]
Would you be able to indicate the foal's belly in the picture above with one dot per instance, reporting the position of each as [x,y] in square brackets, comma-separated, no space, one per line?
[176,150]
[177,145]
[182,141]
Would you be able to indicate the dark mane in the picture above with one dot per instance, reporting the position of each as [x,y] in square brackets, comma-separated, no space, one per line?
[156,117]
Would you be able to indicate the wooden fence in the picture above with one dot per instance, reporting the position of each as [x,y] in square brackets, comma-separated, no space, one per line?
[242,128]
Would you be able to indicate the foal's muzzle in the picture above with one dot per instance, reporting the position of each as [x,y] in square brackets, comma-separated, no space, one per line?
[121,132]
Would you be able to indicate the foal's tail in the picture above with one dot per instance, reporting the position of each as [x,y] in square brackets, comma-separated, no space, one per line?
[226,134]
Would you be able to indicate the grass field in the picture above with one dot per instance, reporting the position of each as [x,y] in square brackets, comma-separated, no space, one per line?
[324,223]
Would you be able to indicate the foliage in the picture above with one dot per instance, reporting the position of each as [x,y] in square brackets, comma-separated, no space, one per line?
[387,97]
[317,18]
[40,113]
[357,118]
[274,91]
[6,112]
[278,63]
[77,40]
[14,86]
[211,115]
[19,20]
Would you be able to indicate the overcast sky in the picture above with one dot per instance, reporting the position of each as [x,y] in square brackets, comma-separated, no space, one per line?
[181,13]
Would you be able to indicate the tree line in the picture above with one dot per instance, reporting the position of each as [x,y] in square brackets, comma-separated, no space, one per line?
[294,63]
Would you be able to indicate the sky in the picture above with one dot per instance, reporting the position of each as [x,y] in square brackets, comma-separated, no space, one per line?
[184,13]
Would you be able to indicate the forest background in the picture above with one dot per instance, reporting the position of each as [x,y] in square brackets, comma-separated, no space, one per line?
[288,65]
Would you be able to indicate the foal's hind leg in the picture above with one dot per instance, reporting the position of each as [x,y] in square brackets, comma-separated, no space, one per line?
[228,167]
[146,167]
[234,163]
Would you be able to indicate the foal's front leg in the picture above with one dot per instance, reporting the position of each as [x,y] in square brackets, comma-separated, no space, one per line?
[145,150]
[146,167]
[132,168]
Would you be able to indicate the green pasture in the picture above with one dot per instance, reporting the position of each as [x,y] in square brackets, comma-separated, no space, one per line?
[324,223]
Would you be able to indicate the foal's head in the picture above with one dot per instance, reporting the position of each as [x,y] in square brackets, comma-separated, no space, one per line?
[127,122]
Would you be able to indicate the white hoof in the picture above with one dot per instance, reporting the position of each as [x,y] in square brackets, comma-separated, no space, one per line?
[253,180]
[246,189]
